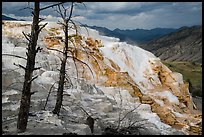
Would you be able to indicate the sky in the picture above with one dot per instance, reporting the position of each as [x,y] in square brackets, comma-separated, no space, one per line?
[122,15]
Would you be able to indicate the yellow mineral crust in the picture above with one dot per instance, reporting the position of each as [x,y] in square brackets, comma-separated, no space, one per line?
[115,66]
[9,29]
[182,116]
[51,41]
[186,108]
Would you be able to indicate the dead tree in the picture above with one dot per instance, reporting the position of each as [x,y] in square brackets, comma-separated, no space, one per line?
[64,58]
[30,67]
[32,50]
[66,21]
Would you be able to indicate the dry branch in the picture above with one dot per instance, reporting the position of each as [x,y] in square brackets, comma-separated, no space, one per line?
[18,65]
[48,95]
[82,63]
[51,6]
[14,56]
[26,36]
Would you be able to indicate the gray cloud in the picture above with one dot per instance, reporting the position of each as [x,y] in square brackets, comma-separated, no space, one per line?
[124,15]
[16,8]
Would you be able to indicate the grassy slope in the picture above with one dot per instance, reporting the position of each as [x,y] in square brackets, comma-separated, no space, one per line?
[191,72]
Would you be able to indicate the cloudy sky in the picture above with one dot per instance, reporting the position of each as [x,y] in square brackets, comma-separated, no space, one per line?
[122,15]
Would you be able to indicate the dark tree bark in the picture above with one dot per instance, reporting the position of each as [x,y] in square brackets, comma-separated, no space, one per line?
[63,63]
[30,66]
[62,76]
[31,54]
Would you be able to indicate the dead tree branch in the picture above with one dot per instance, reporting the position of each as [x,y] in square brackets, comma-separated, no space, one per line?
[14,56]
[51,6]
[82,63]
[55,50]
[27,36]
[32,79]
[18,65]
[49,95]
[42,27]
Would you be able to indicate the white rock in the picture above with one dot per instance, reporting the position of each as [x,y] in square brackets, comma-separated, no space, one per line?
[4,99]
[83,129]
[10,92]
[104,107]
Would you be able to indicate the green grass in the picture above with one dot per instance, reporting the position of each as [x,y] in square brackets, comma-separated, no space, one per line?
[191,72]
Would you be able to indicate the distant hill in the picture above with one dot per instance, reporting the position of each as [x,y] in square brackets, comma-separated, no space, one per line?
[143,36]
[183,45]
[135,36]
[7,18]
[107,32]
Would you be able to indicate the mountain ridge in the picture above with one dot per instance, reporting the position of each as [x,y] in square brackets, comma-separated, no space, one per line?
[4,17]
[183,45]
[7,18]
[134,36]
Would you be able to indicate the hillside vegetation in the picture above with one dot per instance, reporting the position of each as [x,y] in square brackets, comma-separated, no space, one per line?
[192,73]
[183,45]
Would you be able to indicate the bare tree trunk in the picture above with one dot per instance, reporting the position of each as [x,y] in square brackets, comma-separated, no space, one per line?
[65,25]
[62,74]
[26,92]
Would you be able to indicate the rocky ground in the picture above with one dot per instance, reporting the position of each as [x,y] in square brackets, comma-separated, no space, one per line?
[72,119]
